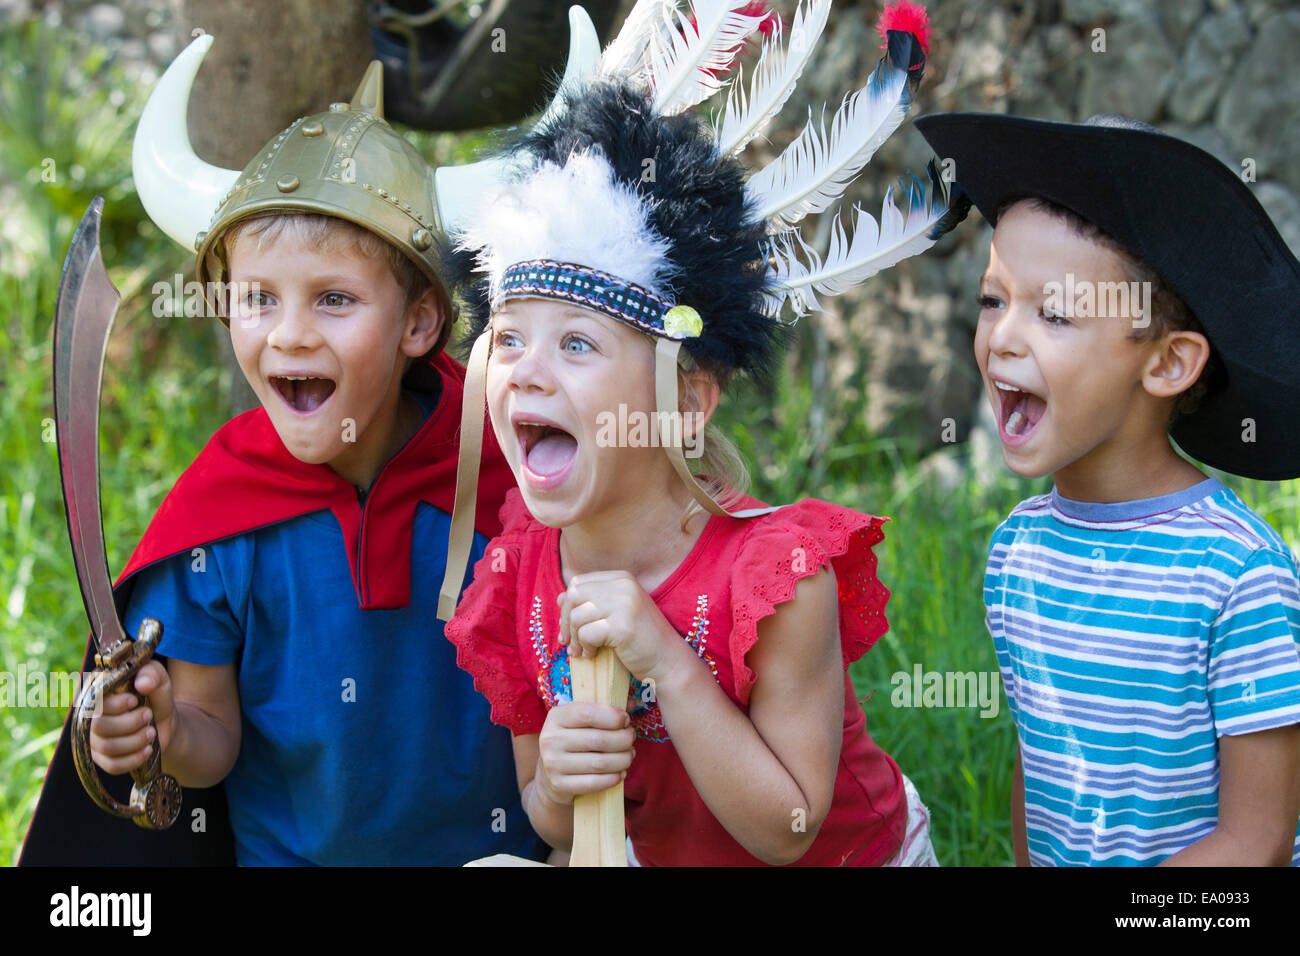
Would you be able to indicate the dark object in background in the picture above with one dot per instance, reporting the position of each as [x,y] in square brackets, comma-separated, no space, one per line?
[441,71]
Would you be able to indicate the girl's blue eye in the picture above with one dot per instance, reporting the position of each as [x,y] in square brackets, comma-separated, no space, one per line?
[505,340]
[577,340]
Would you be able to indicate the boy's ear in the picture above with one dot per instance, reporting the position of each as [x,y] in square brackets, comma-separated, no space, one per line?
[1175,364]
[425,318]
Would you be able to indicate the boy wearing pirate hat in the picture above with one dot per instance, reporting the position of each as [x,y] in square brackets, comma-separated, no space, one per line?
[1145,619]
[292,563]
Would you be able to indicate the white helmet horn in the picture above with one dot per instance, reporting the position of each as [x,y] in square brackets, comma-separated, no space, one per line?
[180,192]
[460,188]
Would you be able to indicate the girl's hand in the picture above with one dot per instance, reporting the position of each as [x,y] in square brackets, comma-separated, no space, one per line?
[611,609]
[583,748]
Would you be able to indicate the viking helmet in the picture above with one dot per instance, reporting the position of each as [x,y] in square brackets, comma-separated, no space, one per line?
[346,162]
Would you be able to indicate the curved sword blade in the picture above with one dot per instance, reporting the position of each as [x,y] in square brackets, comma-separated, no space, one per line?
[83,318]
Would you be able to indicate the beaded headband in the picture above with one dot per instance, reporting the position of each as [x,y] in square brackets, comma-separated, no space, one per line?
[600,291]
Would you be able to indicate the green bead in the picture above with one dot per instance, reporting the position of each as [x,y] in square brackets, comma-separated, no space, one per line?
[682,322]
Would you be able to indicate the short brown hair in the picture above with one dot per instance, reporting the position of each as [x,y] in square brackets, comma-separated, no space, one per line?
[1169,312]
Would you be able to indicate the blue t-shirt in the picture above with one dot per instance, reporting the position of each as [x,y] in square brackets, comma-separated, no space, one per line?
[362,741]
[1131,637]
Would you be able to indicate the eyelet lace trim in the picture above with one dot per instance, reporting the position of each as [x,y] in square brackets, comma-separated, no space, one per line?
[797,542]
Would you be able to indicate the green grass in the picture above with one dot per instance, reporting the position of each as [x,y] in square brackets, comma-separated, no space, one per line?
[932,560]
[63,109]
[164,394]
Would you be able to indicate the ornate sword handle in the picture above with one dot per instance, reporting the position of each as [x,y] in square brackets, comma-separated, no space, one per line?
[156,796]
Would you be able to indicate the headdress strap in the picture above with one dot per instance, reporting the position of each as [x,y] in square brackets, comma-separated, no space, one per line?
[666,351]
[461,537]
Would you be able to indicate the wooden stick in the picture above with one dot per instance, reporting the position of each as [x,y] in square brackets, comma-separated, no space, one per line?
[598,835]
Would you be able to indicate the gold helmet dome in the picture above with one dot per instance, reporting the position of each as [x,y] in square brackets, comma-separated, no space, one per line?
[345,162]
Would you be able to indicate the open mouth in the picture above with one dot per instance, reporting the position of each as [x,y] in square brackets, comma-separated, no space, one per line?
[1020,411]
[303,393]
[548,450]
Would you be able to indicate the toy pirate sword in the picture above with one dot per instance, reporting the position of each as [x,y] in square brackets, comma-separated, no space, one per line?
[84,315]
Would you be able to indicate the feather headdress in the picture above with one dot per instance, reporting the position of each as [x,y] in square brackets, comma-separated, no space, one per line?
[746,244]
[623,201]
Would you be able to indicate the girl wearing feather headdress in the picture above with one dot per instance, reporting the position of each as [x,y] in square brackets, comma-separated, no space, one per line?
[624,273]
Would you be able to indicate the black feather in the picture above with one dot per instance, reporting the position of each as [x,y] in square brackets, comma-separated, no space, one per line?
[699,206]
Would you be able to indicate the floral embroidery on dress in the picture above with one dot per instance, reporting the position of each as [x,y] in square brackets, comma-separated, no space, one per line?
[553,679]
[556,686]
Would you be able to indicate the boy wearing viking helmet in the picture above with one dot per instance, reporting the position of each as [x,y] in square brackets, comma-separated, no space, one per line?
[294,565]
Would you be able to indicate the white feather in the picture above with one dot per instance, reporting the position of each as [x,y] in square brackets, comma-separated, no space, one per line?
[693,62]
[625,53]
[813,172]
[849,262]
[786,275]
[575,213]
[775,76]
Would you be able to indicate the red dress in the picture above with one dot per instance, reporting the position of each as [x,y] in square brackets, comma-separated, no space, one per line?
[506,633]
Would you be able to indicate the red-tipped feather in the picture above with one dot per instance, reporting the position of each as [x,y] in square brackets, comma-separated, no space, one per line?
[756,8]
[767,26]
[908,17]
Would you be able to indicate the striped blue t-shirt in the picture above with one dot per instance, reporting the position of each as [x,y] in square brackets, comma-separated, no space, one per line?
[1131,636]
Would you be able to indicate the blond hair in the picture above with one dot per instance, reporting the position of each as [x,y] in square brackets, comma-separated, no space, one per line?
[727,477]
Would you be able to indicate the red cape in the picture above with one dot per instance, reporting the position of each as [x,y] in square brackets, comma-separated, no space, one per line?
[246,479]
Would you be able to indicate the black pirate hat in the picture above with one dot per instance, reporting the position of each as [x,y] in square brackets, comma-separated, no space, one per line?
[1194,221]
